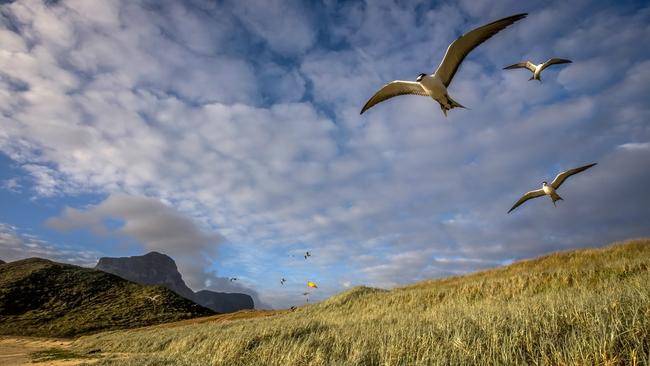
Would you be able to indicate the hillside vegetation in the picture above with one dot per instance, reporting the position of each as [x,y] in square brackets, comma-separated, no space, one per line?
[587,307]
[39,297]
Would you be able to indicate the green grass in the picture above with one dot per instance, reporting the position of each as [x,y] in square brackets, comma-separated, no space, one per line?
[48,299]
[588,307]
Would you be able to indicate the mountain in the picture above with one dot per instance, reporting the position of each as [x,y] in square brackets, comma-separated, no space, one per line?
[223,302]
[582,307]
[159,269]
[150,269]
[39,297]
[2,262]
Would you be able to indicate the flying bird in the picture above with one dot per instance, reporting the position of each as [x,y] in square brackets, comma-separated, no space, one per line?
[537,69]
[311,284]
[233,279]
[282,281]
[550,189]
[154,298]
[436,84]
[307,254]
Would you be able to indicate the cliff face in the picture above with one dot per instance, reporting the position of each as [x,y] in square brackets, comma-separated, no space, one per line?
[150,269]
[159,269]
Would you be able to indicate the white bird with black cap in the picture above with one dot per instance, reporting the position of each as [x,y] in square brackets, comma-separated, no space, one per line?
[537,69]
[550,189]
[436,84]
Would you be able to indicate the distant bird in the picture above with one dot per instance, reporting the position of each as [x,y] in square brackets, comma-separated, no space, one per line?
[436,84]
[537,69]
[311,284]
[307,254]
[282,281]
[549,189]
[293,308]
[233,279]
[155,298]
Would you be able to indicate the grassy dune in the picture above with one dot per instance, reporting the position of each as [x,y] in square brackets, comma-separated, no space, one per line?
[585,307]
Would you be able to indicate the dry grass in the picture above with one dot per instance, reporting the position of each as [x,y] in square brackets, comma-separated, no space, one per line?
[589,307]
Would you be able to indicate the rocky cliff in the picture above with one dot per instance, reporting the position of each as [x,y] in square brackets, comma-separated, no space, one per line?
[159,269]
[150,269]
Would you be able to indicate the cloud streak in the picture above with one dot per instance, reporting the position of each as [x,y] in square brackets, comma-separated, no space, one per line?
[251,129]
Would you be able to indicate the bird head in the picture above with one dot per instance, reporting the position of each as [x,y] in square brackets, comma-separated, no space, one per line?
[419,78]
[544,183]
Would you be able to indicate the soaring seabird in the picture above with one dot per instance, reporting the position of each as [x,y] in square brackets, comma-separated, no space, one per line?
[307,254]
[436,84]
[549,189]
[537,69]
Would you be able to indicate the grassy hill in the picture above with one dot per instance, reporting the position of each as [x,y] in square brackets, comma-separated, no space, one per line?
[39,297]
[585,307]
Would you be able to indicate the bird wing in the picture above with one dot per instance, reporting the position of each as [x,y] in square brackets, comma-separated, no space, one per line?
[393,89]
[557,182]
[461,47]
[522,65]
[527,196]
[555,61]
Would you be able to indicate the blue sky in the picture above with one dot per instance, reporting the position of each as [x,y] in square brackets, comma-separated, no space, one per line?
[227,134]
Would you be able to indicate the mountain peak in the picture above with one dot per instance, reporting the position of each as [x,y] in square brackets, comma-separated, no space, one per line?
[152,268]
[155,268]
[39,297]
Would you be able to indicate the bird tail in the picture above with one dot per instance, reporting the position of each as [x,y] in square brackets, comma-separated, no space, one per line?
[452,104]
[455,104]
[556,197]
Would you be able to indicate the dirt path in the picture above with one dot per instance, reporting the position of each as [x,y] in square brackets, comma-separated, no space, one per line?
[15,351]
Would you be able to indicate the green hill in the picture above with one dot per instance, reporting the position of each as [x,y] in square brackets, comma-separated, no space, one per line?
[584,307]
[39,297]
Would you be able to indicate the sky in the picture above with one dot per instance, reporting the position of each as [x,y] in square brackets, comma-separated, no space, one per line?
[227,135]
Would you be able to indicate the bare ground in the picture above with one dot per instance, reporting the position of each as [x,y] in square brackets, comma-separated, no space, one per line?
[15,351]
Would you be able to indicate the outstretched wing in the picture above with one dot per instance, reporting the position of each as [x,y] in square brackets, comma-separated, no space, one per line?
[460,48]
[528,196]
[557,182]
[555,61]
[522,65]
[393,89]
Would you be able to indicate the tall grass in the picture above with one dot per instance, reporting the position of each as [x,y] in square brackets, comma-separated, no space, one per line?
[589,307]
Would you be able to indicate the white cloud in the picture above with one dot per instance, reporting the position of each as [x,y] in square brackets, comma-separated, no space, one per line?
[157,226]
[258,134]
[285,25]
[15,245]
